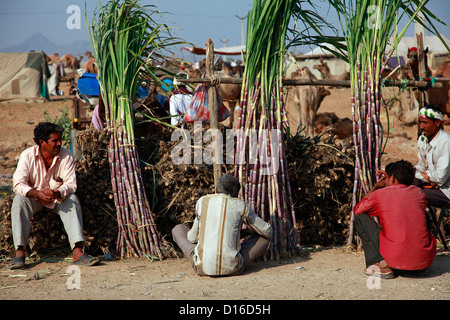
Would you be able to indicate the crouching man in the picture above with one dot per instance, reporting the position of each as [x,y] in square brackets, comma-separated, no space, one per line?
[45,179]
[401,240]
[213,245]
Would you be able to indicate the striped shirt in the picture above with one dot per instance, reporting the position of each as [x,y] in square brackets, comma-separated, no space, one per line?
[216,230]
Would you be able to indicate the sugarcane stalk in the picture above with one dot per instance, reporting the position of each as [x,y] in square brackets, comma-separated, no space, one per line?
[120,36]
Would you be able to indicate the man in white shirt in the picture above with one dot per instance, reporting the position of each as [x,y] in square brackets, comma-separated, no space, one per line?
[213,245]
[179,100]
[433,168]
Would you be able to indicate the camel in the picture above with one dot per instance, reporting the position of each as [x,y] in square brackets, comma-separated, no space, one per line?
[90,64]
[69,61]
[436,96]
[307,100]
[88,55]
[441,96]
[191,70]
[229,93]
[326,74]
[405,106]
[400,72]
[413,63]
[52,59]
[238,69]
[341,128]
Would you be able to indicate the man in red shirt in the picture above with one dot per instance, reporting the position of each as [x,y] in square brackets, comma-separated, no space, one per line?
[401,240]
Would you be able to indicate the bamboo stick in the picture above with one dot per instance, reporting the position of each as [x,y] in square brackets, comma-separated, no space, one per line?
[326,82]
[212,103]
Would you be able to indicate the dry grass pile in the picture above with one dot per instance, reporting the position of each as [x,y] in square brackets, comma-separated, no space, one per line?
[173,189]
[321,176]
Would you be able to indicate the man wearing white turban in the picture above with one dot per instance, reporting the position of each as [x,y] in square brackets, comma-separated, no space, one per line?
[433,168]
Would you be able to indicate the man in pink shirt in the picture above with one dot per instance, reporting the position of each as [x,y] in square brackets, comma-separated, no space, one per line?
[401,240]
[45,179]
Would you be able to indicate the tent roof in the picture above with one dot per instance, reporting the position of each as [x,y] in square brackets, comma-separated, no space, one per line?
[22,75]
[433,43]
[236,50]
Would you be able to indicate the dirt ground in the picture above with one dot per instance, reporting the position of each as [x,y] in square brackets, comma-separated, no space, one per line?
[331,273]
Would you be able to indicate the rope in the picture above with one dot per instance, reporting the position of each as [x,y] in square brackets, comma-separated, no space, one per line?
[215,80]
[430,83]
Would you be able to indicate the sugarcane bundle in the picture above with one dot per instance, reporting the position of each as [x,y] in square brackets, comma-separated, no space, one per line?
[125,38]
[260,161]
[368,27]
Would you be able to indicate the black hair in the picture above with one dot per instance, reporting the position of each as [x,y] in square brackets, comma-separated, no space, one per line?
[433,107]
[229,185]
[44,129]
[402,170]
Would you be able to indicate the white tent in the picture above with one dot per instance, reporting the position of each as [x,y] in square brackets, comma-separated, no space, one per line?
[433,43]
[23,76]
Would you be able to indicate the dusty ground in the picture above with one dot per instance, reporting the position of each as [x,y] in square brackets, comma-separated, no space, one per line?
[327,274]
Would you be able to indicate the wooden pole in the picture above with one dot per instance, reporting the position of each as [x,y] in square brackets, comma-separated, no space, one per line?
[212,105]
[337,83]
[423,96]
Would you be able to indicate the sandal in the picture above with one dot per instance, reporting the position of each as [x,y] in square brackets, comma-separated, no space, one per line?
[380,270]
[17,263]
[87,260]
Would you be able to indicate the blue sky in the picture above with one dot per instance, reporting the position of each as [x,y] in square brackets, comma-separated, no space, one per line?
[193,20]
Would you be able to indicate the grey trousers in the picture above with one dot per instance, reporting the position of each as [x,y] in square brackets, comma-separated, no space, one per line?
[69,210]
[252,248]
[369,232]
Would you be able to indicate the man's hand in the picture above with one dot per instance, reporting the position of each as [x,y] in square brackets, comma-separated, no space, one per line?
[246,232]
[381,183]
[47,194]
[426,177]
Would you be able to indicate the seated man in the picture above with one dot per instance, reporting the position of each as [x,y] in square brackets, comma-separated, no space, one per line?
[179,100]
[45,180]
[433,168]
[401,240]
[213,244]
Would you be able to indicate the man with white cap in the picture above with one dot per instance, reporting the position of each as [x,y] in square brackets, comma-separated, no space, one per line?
[433,168]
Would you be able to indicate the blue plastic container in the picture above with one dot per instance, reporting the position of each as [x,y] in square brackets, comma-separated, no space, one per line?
[88,84]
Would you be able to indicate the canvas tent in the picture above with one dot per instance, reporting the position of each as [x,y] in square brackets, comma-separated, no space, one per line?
[23,76]
[433,43]
[437,54]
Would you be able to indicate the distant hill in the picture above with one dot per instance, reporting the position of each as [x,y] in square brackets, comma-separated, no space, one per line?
[38,42]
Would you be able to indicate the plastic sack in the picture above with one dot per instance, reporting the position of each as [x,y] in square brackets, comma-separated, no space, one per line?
[198,108]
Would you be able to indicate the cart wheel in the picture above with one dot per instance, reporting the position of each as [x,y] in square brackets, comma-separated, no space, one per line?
[74,146]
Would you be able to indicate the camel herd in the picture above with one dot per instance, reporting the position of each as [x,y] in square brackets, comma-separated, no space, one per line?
[72,62]
[306,100]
